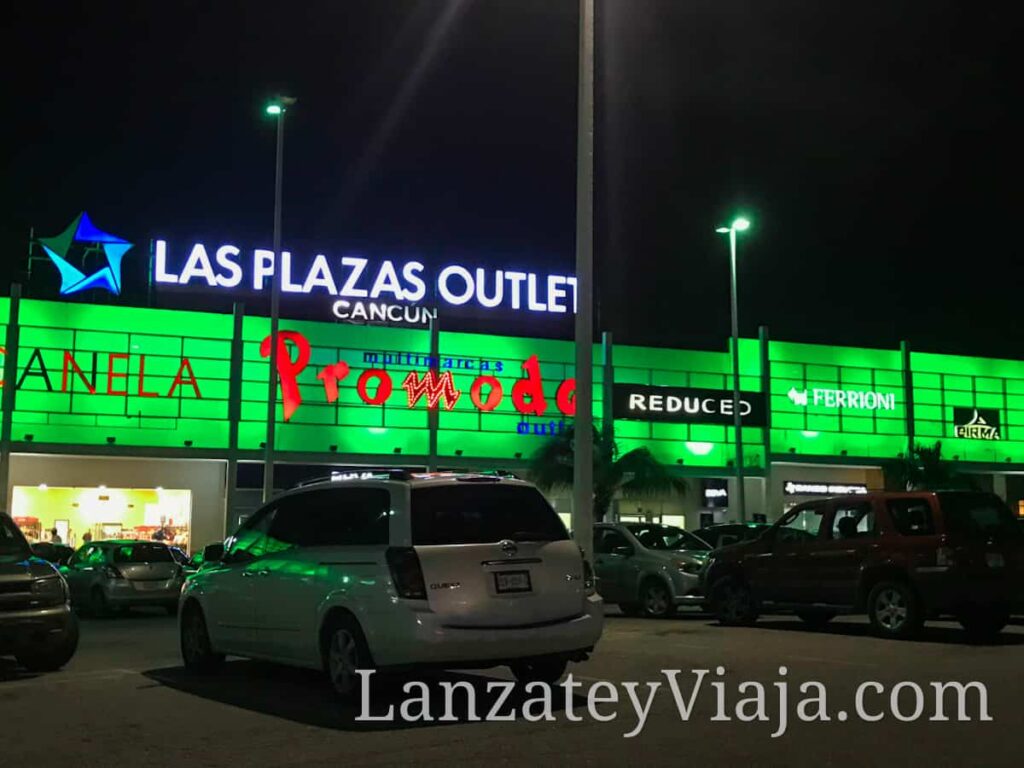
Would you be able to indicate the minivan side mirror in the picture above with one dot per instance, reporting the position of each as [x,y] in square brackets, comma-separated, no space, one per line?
[213,553]
[625,551]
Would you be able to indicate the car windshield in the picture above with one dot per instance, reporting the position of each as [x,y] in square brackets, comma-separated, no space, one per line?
[142,553]
[12,544]
[978,516]
[665,537]
[477,514]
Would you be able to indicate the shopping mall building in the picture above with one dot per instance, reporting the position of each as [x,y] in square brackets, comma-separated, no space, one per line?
[140,421]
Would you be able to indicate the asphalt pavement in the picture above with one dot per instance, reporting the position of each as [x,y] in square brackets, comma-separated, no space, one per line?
[124,700]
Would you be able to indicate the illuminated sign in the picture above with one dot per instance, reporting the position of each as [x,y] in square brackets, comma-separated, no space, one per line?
[93,242]
[866,400]
[823,489]
[976,423]
[683,405]
[434,387]
[716,493]
[382,312]
[358,283]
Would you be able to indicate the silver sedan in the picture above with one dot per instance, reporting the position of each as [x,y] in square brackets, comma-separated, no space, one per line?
[105,576]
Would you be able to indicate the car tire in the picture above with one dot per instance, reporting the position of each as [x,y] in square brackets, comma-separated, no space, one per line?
[55,654]
[196,650]
[547,669]
[345,651]
[733,603]
[656,599]
[99,607]
[816,619]
[895,610]
[630,609]
[983,622]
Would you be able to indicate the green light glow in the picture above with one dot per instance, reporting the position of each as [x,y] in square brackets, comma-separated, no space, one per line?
[741,224]
[274,109]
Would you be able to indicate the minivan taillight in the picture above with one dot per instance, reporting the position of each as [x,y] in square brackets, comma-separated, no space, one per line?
[406,573]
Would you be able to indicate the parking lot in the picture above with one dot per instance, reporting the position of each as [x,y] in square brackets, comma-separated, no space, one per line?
[125,699]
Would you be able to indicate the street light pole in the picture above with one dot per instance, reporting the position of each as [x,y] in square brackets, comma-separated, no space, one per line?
[739,225]
[277,108]
[583,453]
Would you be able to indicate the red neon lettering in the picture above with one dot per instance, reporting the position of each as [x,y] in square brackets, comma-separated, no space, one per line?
[531,387]
[330,375]
[288,370]
[383,389]
[142,378]
[3,351]
[434,386]
[565,397]
[493,395]
[112,374]
[179,382]
[69,360]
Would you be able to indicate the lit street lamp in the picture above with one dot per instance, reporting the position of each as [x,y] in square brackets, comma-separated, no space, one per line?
[739,225]
[276,108]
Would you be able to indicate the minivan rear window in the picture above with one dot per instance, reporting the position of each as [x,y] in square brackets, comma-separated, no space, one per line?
[479,514]
[142,553]
[978,516]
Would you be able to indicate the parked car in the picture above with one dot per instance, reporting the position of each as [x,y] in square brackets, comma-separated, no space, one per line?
[189,565]
[396,570]
[112,575]
[37,626]
[899,557]
[57,554]
[648,568]
[724,534]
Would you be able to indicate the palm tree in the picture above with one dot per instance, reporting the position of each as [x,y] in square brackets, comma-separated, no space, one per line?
[636,472]
[924,470]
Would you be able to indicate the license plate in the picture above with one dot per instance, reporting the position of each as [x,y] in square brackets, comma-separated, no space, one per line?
[512,581]
[995,560]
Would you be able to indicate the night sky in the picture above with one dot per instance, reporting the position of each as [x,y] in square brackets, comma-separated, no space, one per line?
[875,146]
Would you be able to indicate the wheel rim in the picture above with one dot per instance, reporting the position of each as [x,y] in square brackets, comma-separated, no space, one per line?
[342,660]
[734,602]
[193,637]
[891,609]
[656,600]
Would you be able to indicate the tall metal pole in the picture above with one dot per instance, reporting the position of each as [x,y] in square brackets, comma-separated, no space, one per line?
[275,300]
[741,496]
[583,458]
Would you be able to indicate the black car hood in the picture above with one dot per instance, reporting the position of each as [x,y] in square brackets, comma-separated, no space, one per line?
[26,567]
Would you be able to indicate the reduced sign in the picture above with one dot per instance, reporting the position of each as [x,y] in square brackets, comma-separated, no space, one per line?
[685,405]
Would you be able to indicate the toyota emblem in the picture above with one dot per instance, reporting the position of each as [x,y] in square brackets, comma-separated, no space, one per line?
[509,547]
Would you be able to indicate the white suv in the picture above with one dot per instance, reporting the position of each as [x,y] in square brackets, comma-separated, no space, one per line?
[392,569]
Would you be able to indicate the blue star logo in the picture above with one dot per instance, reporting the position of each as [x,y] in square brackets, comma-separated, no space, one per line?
[83,231]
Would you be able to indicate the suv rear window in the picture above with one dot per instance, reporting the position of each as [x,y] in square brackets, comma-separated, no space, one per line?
[480,514]
[142,553]
[977,516]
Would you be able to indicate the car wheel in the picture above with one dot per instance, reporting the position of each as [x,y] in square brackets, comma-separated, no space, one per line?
[196,649]
[894,610]
[55,654]
[346,652]
[984,622]
[656,600]
[99,607]
[630,609]
[816,619]
[542,670]
[733,603]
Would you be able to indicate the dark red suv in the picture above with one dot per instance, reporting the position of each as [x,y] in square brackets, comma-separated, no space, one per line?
[899,557]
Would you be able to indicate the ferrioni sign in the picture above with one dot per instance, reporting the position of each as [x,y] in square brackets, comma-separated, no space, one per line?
[865,400]
[684,405]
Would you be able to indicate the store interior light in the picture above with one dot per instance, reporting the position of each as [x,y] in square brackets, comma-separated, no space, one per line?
[159,488]
[43,486]
[103,488]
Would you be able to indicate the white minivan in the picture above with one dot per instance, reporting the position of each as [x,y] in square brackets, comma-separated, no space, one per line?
[395,570]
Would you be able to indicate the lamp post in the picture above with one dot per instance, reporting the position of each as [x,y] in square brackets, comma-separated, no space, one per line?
[739,225]
[277,109]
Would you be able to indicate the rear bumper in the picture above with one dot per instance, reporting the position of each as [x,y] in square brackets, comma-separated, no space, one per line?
[20,630]
[949,590]
[124,594]
[421,638]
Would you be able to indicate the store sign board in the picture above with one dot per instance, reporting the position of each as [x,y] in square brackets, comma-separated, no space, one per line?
[685,405]
[792,488]
[850,399]
[976,423]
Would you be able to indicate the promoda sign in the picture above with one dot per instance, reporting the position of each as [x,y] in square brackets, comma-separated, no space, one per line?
[227,267]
